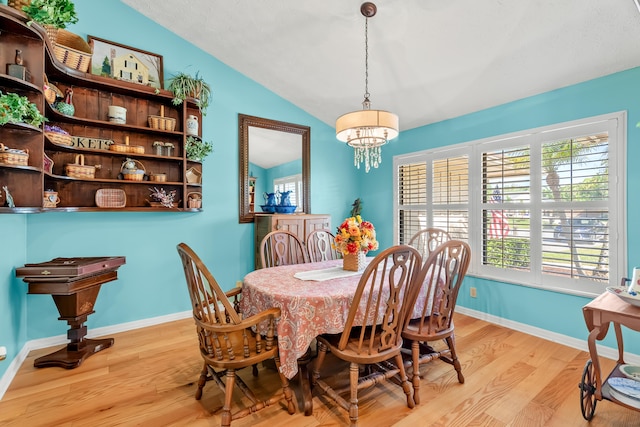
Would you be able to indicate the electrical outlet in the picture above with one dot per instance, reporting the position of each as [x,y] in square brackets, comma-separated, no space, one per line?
[473,292]
[238,283]
[3,353]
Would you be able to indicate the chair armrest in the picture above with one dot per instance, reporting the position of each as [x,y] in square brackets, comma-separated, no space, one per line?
[250,322]
[233,292]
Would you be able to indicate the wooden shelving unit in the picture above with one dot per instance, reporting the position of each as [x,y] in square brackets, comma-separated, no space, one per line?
[92,95]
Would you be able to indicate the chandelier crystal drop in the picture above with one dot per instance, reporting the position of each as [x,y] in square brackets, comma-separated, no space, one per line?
[367,130]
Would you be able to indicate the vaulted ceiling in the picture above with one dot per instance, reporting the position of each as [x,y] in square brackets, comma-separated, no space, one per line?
[429,60]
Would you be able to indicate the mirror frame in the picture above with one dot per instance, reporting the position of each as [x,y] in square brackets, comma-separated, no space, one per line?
[244,122]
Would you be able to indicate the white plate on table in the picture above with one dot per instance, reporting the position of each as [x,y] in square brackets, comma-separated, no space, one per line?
[626,386]
[631,371]
[624,295]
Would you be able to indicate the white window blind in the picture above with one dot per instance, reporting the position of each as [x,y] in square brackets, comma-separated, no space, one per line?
[542,207]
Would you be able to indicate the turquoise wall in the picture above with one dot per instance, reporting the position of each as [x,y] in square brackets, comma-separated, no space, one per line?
[548,310]
[151,283]
[13,291]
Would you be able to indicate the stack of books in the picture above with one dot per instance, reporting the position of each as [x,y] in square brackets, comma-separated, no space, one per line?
[625,390]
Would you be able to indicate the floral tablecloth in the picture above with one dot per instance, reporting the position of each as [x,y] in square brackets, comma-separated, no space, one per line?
[308,308]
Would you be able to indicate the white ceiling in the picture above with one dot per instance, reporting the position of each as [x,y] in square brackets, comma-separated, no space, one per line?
[429,60]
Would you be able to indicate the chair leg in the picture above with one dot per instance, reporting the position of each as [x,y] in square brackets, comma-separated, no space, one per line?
[415,379]
[228,395]
[406,387]
[322,352]
[286,390]
[354,372]
[202,381]
[451,342]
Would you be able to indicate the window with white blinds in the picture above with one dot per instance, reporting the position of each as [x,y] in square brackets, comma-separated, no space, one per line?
[291,183]
[543,207]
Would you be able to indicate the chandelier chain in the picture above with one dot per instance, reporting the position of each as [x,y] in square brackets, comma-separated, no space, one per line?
[366,59]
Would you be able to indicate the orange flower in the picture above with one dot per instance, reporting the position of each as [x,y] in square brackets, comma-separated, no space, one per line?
[355,235]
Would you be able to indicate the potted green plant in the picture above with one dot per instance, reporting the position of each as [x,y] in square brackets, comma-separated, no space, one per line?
[197,149]
[56,13]
[15,108]
[52,15]
[184,86]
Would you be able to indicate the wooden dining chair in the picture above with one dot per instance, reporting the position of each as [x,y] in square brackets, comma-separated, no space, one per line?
[227,342]
[427,240]
[434,294]
[377,304]
[282,247]
[319,246]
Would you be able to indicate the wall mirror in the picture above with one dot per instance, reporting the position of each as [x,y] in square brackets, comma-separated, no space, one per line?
[273,154]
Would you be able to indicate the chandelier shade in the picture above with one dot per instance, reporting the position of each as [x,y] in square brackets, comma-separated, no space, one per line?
[367,130]
[367,126]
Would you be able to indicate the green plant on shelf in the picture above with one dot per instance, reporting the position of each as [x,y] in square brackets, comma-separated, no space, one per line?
[57,13]
[184,86]
[197,149]
[15,108]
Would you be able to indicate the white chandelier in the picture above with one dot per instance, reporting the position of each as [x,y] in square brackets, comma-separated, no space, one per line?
[367,130]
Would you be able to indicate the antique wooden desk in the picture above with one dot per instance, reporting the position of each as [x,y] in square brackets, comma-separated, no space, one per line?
[74,284]
[599,314]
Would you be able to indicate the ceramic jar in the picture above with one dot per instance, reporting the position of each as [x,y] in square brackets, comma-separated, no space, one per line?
[117,114]
[192,125]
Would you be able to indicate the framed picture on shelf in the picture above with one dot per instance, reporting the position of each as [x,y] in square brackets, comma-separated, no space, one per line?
[125,63]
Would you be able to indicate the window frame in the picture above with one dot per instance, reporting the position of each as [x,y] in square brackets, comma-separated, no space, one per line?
[615,124]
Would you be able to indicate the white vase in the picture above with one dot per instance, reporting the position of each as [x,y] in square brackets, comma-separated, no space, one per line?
[192,125]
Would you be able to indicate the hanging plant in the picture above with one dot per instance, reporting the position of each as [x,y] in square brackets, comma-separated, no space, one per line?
[186,86]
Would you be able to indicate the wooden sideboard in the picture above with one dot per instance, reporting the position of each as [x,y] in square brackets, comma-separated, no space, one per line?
[299,224]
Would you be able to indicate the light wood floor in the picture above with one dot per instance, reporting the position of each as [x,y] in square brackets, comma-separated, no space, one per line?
[148,378]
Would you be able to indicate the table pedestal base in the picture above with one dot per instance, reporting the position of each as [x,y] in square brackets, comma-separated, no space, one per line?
[305,385]
[68,358]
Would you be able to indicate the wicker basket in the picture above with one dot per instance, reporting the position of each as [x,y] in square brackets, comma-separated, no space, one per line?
[13,157]
[72,51]
[52,33]
[354,262]
[161,122]
[126,148]
[194,176]
[111,198]
[18,4]
[194,200]
[158,177]
[51,92]
[59,138]
[133,175]
[79,169]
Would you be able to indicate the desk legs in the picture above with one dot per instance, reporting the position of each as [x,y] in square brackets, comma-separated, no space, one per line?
[75,309]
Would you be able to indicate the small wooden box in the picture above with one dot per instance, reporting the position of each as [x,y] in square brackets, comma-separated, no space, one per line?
[70,267]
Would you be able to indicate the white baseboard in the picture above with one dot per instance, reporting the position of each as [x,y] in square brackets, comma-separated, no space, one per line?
[603,351]
[29,346]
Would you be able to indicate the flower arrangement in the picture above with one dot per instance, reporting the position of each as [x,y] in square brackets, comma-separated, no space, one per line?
[162,197]
[355,235]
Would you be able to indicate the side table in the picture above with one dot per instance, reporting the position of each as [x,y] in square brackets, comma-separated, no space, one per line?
[74,284]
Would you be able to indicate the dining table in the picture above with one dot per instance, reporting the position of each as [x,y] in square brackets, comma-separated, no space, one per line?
[314,299]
